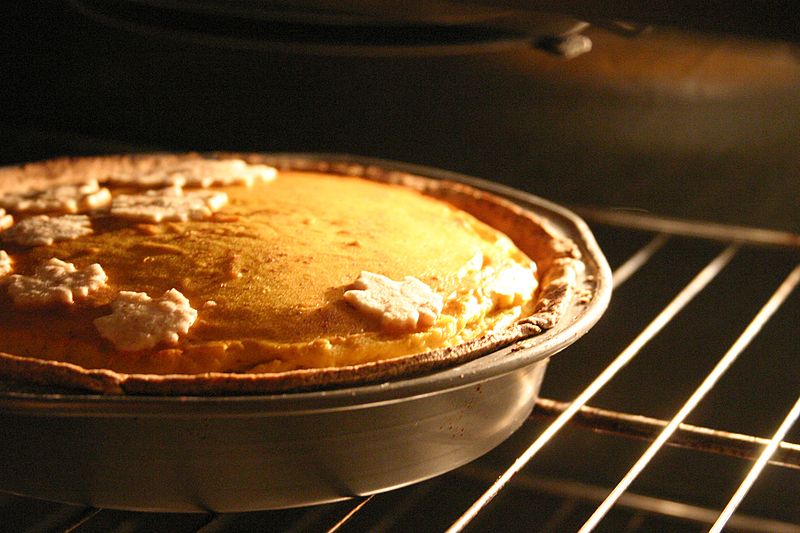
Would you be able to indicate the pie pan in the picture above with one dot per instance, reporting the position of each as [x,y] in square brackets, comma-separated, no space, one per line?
[226,453]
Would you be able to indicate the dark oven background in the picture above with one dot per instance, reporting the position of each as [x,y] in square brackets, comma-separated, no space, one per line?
[680,124]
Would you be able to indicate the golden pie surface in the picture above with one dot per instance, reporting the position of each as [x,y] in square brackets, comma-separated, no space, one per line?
[268,273]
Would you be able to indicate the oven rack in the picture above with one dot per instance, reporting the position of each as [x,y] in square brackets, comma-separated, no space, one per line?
[528,485]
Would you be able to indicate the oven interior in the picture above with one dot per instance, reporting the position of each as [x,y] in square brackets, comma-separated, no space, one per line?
[675,137]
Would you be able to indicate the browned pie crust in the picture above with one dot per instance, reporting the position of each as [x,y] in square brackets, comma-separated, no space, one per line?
[558,260]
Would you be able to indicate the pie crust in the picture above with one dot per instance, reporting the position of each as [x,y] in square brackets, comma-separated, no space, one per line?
[558,260]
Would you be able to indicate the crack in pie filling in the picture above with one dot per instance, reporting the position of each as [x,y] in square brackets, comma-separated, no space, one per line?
[308,277]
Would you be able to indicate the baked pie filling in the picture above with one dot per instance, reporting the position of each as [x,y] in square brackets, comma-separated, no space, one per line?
[220,266]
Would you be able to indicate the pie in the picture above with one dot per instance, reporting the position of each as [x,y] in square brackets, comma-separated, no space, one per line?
[250,273]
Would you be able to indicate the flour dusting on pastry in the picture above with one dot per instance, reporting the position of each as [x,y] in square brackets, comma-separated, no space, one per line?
[208,173]
[6,220]
[55,282]
[139,322]
[43,230]
[5,264]
[199,173]
[401,306]
[61,199]
[511,285]
[169,204]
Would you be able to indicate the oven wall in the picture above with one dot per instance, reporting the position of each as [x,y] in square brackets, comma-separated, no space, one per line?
[678,124]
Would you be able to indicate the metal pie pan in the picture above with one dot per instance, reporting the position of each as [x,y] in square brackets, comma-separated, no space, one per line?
[256,452]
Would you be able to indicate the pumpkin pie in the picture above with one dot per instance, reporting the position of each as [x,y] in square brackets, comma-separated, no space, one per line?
[249,273]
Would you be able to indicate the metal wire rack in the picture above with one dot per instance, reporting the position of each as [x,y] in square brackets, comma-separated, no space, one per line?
[697,356]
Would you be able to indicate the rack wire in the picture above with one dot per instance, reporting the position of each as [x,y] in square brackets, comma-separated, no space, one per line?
[464,498]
